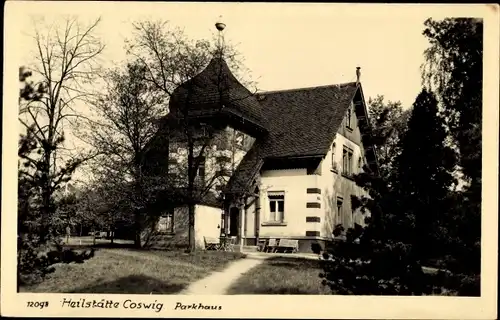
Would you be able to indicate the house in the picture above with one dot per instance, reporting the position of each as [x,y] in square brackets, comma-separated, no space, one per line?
[290,159]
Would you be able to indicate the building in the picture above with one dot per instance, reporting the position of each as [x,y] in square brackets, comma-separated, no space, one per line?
[276,164]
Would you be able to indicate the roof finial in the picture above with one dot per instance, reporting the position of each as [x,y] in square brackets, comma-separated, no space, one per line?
[220,27]
[358,74]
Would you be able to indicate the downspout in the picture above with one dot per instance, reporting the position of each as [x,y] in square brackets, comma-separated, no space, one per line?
[242,223]
[257,218]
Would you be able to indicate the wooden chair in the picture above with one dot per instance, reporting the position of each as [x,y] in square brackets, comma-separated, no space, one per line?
[211,243]
[262,244]
[231,243]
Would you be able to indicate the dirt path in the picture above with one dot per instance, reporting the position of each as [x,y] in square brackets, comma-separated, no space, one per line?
[219,282]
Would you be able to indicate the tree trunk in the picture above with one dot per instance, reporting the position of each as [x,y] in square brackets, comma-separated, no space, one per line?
[190,191]
[192,242]
[137,229]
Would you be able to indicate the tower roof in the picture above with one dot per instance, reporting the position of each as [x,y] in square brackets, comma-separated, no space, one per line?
[216,91]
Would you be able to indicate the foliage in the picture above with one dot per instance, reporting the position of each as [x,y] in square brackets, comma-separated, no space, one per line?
[454,70]
[388,121]
[386,256]
[424,173]
[417,215]
[64,63]
[171,59]
[127,114]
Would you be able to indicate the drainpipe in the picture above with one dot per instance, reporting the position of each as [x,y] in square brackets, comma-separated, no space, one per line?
[257,218]
[242,223]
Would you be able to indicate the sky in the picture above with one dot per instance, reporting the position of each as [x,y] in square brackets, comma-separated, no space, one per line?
[283,45]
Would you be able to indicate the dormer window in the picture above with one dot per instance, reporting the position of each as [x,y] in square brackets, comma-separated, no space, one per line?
[334,163]
[240,140]
[349,121]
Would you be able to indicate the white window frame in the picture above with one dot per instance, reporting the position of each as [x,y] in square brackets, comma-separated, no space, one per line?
[276,197]
[166,219]
[347,169]
[334,163]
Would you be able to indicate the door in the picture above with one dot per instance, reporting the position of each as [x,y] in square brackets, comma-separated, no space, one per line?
[234,216]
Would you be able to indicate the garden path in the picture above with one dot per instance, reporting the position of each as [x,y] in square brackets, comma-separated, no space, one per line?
[219,282]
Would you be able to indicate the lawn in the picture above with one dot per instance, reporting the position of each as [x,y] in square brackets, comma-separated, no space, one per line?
[281,275]
[134,272]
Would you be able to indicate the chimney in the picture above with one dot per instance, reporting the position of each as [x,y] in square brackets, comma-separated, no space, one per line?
[358,74]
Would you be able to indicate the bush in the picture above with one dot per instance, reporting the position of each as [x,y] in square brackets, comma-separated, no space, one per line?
[35,261]
[369,267]
[362,265]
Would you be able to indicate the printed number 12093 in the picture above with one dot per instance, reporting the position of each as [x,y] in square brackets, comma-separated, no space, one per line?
[38,304]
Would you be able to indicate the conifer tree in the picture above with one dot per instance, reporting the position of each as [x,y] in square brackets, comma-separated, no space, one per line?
[424,172]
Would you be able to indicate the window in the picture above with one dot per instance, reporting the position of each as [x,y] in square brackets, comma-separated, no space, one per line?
[276,206]
[340,201]
[240,139]
[347,161]
[349,118]
[173,167]
[360,163]
[166,223]
[334,163]
[201,169]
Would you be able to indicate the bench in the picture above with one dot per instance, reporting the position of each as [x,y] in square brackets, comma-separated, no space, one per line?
[288,244]
[271,245]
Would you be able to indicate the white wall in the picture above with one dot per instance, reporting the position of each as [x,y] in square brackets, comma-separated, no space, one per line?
[206,221]
[333,184]
[294,183]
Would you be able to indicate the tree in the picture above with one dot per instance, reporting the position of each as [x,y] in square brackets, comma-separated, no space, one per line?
[425,172]
[453,69]
[127,115]
[406,206]
[171,60]
[65,62]
[388,122]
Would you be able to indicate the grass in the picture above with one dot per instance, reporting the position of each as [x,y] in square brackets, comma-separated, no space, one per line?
[133,272]
[281,275]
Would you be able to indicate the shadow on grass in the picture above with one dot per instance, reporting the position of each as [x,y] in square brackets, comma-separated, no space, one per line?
[281,275]
[133,284]
[293,263]
[100,245]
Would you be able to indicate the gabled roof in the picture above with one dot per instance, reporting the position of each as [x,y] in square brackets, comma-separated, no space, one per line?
[216,90]
[302,123]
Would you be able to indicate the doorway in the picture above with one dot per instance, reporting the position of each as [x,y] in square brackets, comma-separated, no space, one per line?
[234,217]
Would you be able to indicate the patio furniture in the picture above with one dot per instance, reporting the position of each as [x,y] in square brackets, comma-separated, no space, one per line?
[271,245]
[288,245]
[211,243]
[261,245]
[227,243]
[230,245]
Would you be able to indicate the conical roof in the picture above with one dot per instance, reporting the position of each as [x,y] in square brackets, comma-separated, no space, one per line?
[216,90]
